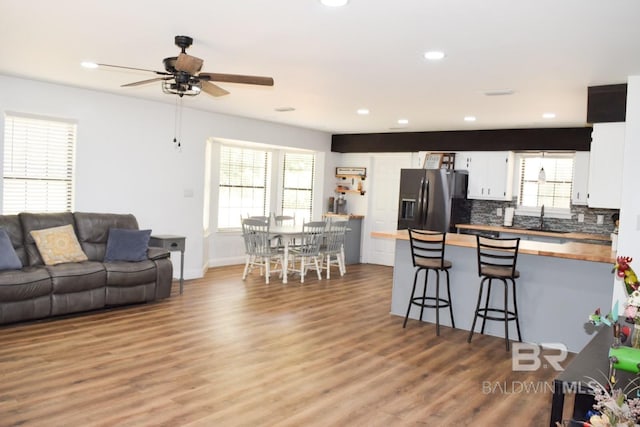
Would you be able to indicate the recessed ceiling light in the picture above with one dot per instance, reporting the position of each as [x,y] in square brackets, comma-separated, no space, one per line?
[499,92]
[334,3]
[284,109]
[363,111]
[403,121]
[469,119]
[88,64]
[549,116]
[434,55]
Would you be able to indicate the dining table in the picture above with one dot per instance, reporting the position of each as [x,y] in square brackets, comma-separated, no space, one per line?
[287,233]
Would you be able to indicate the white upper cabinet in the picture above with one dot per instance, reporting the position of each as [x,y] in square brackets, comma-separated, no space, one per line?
[490,174]
[605,165]
[580,178]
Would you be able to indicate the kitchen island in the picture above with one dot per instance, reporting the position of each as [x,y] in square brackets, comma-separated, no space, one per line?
[559,286]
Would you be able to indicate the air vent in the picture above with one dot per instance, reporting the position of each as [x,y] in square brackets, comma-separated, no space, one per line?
[499,92]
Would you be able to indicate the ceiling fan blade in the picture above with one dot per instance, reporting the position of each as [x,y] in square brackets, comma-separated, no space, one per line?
[144,82]
[161,73]
[189,64]
[212,89]
[237,78]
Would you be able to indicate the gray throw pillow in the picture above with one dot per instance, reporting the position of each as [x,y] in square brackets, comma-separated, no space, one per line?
[8,257]
[127,245]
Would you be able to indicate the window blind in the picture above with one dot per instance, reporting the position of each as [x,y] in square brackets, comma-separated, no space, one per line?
[556,190]
[297,188]
[38,164]
[244,184]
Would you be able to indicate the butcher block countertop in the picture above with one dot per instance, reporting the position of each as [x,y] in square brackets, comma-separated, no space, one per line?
[524,231]
[343,216]
[569,250]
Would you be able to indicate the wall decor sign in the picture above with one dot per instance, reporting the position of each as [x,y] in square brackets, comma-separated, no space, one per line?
[351,171]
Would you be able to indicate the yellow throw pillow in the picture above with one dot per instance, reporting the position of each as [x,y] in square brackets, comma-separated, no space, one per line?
[58,244]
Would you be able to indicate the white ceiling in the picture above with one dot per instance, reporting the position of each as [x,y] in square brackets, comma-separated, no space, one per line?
[327,63]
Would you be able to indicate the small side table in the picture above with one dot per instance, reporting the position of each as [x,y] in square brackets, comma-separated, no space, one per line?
[171,243]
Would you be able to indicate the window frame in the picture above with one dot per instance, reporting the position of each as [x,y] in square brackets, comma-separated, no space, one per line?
[39,160]
[275,176]
[268,167]
[283,187]
[552,212]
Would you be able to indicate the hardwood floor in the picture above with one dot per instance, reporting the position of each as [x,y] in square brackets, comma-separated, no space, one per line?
[234,353]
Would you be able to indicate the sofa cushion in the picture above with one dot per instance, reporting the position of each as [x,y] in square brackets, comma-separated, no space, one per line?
[11,223]
[124,273]
[25,284]
[77,276]
[58,245]
[127,245]
[93,230]
[8,258]
[39,221]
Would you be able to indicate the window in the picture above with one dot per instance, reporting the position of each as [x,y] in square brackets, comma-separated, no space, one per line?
[261,181]
[244,184]
[555,191]
[297,185]
[38,164]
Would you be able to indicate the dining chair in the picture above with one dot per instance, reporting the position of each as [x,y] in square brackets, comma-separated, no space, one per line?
[332,250]
[497,261]
[283,219]
[307,253]
[427,253]
[259,251]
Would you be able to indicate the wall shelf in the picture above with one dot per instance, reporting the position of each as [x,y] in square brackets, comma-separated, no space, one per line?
[356,175]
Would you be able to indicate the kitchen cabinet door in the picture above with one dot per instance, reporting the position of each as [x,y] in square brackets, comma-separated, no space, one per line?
[580,178]
[490,174]
[605,165]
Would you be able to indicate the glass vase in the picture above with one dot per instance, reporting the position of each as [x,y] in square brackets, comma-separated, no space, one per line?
[635,336]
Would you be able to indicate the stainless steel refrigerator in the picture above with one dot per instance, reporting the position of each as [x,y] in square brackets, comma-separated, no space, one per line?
[433,199]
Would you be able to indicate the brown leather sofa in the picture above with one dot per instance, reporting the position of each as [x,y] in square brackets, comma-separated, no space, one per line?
[39,291]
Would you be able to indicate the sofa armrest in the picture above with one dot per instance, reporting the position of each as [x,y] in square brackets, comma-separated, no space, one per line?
[157,253]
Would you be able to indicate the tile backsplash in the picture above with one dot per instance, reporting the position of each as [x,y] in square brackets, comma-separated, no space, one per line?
[484,212]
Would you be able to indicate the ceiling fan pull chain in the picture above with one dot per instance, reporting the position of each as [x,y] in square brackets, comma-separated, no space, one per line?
[177,125]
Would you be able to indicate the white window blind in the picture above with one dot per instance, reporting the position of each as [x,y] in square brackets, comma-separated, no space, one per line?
[244,184]
[555,191]
[38,164]
[297,189]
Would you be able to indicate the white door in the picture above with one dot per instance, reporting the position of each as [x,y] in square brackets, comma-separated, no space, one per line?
[384,190]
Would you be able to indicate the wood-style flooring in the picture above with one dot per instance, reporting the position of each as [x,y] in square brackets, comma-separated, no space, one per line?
[234,353]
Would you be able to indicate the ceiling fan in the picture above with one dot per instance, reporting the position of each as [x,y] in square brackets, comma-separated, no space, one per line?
[182,75]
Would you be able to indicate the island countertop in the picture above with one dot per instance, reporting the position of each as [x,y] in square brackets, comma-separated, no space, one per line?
[569,250]
[527,232]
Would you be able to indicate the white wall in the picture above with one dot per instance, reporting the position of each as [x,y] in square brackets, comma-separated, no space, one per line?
[126,161]
[629,233]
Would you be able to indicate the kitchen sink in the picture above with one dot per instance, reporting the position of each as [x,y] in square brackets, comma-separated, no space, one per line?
[547,231]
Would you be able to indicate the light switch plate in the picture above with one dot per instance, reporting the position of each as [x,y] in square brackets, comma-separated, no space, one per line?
[600,219]
[581,217]
[499,211]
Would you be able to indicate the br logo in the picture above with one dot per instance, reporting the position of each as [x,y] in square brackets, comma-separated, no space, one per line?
[528,357]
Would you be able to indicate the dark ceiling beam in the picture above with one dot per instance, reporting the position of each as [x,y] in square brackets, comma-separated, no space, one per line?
[537,139]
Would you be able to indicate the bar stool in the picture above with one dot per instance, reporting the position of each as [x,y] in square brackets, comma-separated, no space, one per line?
[497,260]
[427,252]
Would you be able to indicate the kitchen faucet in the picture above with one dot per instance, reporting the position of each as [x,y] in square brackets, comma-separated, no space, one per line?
[542,217]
